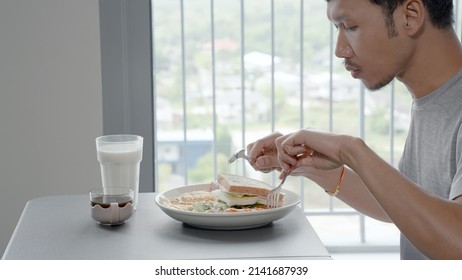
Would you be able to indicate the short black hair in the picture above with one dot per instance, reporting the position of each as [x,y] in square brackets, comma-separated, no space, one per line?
[441,12]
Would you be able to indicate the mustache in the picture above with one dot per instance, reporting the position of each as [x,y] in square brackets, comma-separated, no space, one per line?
[350,65]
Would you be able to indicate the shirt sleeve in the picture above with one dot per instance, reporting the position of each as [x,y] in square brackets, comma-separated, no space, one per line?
[456,187]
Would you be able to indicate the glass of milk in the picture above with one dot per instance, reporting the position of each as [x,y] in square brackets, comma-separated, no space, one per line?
[119,157]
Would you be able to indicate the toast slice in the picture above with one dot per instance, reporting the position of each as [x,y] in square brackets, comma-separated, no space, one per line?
[240,190]
[242,185]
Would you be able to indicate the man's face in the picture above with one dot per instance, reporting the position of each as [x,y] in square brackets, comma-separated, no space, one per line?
[364,42]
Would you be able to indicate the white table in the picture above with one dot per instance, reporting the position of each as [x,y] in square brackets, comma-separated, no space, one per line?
[60,227]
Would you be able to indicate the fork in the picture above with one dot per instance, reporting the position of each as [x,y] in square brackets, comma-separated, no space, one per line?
[239,154]
[273,196]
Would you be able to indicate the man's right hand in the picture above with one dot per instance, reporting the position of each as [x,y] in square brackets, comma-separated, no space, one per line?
[263,153]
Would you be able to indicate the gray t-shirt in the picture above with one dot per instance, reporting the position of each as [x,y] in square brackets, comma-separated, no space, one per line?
[432,156]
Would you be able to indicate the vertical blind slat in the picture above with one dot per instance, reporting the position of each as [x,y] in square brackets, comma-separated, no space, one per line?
[243,78]
[273,97]
[183,78]
[214,97]
[302,91]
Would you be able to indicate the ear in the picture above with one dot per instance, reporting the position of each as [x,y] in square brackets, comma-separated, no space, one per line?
[415,15]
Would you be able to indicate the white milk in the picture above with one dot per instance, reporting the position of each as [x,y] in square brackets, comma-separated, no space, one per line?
[120,166]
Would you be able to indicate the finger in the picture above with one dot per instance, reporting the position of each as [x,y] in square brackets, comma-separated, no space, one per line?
[295,145]
[282,174]
[250,154]
[290,151]
[262,147]
[259,148]
[266,163]
[299,151]
[285,160]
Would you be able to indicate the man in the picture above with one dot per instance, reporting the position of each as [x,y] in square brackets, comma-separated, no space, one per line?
[379,40]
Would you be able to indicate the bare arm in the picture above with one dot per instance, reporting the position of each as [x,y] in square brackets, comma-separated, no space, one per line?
[432,224]
[263,154]
[353,191]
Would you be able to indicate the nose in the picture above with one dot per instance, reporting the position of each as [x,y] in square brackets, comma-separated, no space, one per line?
[343,48]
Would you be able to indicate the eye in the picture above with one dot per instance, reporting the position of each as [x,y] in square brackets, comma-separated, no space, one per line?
[349,29]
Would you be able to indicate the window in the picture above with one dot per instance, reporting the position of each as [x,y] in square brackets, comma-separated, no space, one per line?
[229,72]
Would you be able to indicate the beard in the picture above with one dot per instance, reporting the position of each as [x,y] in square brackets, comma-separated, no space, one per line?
[372,87]
[385,81]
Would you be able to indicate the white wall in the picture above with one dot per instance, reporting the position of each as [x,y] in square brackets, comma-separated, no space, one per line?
[50,102]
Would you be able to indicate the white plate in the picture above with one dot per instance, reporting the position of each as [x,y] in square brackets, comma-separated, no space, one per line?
[225,221]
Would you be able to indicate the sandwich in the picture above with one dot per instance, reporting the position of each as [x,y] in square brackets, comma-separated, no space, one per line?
[244,192]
